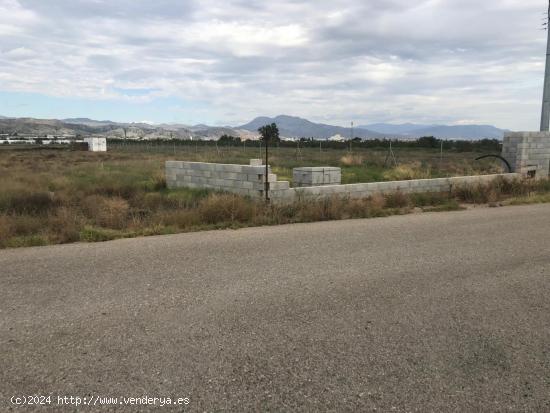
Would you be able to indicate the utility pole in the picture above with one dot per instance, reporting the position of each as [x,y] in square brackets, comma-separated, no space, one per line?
[269,133]
[351,136]
[545,118]
[267,169]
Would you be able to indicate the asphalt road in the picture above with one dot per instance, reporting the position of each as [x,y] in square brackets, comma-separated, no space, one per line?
[428,312]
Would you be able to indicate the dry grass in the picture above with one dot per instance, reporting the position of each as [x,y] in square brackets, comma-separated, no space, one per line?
[351,160]
[411,171]
[60,197]
[226,208]
[107,212]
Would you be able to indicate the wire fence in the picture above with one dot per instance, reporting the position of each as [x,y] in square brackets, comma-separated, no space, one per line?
[256,150]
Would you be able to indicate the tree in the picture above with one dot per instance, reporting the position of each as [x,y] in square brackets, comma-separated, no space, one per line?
[228,139]
[269,133]
[428,142]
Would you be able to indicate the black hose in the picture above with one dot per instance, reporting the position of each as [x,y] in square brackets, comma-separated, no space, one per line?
[499,157]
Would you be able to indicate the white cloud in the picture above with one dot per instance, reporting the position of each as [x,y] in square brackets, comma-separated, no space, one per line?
[366,60]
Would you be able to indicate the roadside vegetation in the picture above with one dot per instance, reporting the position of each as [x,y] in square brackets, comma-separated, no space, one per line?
[52,197]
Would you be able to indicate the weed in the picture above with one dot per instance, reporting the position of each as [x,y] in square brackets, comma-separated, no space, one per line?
[220,208]
[27,241]
[181,219]
[27,203]
[59,197]
[407,172]
[397,199]
[94,234]
[351,160]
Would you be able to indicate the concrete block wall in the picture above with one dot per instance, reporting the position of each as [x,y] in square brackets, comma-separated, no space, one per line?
[246,180]
[368,189]
[316,176]
[528,152]
[249,180]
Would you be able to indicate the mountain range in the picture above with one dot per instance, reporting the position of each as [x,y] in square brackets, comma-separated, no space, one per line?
[294,127]
[439,131]
[289,127]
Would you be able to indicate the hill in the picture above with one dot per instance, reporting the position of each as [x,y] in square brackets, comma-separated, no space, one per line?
[85,126]
[295,127]
[471,132]
[289,127]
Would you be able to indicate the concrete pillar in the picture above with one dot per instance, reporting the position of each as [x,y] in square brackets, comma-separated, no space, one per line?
[528,152]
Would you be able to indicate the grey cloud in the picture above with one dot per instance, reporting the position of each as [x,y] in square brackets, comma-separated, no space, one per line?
[84,9]
[372,59]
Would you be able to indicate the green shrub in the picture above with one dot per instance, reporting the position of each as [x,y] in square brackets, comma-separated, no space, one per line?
[27,203]
[429,198]
[26,241]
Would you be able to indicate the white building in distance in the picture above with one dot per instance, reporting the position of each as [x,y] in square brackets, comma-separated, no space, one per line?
[337,138]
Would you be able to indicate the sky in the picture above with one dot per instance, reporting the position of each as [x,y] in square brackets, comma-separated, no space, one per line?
[224,62]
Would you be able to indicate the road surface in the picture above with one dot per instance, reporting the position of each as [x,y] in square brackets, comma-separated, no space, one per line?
[427,312]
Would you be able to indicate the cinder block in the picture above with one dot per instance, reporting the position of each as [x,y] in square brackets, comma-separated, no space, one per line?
[228,168]
[271,178]
[313,176]
[230,175]
[311,190]
[280,185]
[254,177]
[199,180]
[355,187]
[255,170]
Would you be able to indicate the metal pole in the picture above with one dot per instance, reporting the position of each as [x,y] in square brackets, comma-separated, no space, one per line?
[266,169]
[545,117]
[351,137]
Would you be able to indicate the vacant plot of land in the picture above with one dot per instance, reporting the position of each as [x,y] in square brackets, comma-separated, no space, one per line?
[428,313]
[60,196]
[358,165]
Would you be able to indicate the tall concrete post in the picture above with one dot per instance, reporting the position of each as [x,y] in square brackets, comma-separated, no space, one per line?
[545,118]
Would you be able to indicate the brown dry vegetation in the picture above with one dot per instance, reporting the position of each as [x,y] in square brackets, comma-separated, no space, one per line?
[51,197]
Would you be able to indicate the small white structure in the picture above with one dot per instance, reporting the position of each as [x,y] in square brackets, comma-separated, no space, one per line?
[96,144]
[337,138]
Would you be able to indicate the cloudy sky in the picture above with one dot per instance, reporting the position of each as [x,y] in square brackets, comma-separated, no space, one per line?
[227,61]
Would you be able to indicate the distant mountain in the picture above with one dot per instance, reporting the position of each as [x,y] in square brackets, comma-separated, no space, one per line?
[440,131]
[462,132]
[40,127]
[110,129]
[88,122]
[294,127]
[289,127]
[393,129]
